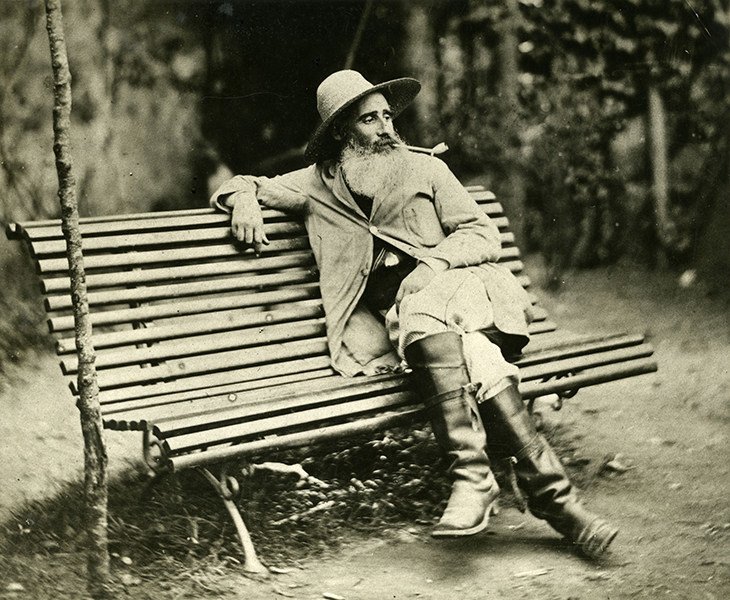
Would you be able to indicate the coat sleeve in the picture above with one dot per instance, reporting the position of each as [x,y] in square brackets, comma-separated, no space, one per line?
[472,238]
[283,192]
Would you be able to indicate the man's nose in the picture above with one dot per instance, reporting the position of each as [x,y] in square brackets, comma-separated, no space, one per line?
[384,127]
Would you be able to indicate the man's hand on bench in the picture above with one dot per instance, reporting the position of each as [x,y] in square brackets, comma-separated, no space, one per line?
[247,222]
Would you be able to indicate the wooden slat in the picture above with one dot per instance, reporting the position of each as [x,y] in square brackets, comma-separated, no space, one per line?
[175,419]
[184,289]
[540,327]
[198,365]
[172,420]
[321,419]
[584,362]
[168,256]
[245,264]
[214,322]
[300,420]
[293,440]
[188,237]
[203,344]
[137,415]
[109,224]
[604,374]
[170,220]
[187,288]
[566,346]
[190,307]
[324,434]
[217,382]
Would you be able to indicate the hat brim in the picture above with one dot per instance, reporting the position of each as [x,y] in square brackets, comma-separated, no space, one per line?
[399,93]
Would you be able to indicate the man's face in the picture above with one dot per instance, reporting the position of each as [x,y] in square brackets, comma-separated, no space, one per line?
[371,124]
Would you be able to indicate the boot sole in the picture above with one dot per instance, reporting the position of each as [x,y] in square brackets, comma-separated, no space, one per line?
[597,543]
[455,533]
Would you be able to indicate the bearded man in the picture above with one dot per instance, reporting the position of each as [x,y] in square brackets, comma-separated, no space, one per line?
[409,275]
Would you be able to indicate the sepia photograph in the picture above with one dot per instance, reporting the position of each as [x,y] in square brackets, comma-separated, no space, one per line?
[364,299]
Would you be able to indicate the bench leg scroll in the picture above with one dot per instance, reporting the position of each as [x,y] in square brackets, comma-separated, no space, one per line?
[227,488]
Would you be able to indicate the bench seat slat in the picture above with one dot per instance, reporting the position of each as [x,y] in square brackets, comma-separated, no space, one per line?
[298,439]
[210,413]
[300,420]
[189,385]
[566,345]
[281,401]
[556,368]
[321,418]
[210,385]
[144,414]
[604,374]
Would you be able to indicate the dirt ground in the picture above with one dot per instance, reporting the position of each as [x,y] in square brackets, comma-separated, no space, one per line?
[672,503]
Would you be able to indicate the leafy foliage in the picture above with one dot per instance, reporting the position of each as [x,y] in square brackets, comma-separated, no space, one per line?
[584,76]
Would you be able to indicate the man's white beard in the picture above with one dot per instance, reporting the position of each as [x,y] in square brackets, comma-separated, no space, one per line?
[373,171]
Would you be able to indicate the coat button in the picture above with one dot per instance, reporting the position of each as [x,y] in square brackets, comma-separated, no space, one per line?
[364,272]
[374,230]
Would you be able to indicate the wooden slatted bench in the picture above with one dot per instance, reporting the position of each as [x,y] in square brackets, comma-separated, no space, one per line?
[216,354]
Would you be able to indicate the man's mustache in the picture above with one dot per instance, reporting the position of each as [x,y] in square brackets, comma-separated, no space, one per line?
[385,142]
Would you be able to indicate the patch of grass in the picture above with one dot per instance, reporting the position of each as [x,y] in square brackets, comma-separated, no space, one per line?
[176,535]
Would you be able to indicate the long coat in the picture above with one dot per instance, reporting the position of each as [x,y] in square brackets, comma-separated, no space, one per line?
[430,212]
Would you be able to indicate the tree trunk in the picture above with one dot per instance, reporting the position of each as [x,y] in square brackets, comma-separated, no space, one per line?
[421,59]
[95,457]
[453,75]
[101,186]
[509,92]
[660,168]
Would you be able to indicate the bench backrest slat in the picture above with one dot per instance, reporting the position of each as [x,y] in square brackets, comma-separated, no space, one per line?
[221,361]
[191,307]
[219,321]
[186,271]
[203,344]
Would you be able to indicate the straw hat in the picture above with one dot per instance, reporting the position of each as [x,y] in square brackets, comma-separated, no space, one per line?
[343,89]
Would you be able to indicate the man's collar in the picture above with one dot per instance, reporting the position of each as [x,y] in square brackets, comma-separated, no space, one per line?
[330,167]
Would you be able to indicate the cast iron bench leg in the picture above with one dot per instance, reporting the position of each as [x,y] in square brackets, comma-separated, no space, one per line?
[227,488]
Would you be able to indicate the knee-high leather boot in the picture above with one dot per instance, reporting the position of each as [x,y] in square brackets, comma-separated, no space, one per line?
[540,474]
[441,378]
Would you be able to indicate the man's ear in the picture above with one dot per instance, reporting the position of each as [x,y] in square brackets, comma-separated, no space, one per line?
[339,128]
[338,131]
